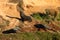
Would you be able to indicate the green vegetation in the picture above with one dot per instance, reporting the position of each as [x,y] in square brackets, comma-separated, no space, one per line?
[48,16]
[31,36]
[37,16]
[42,17]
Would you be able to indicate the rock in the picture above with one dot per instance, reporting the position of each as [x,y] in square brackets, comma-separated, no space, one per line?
[30,6]
[12,8]
[39,5]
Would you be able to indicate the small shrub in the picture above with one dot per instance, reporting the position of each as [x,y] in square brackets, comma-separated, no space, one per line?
[37,16]
[41,17]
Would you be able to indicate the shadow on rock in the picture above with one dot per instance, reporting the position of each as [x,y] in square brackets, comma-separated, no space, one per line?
[9,31]
[40,26]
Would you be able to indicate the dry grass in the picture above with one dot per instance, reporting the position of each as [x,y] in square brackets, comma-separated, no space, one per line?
[31,36]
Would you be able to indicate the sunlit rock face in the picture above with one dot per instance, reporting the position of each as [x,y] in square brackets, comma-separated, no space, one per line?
[3,0]
[11,10]
[39,5]
[41,2]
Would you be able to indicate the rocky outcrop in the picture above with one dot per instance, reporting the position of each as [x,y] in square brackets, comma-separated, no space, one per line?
[11,10]
[39,5]
[10,7]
